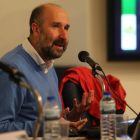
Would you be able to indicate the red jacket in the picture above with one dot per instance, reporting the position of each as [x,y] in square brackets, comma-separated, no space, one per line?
[83,76]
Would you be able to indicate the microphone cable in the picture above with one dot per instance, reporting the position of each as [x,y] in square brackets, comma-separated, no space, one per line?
[117,94]
[85,57]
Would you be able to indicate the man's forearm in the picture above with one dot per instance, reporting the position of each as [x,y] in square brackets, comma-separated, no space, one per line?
[7,126]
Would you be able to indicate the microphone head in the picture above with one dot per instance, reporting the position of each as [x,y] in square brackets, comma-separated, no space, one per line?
[82,55]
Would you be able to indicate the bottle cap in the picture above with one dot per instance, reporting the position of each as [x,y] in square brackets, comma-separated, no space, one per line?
[107,93]
[51,98]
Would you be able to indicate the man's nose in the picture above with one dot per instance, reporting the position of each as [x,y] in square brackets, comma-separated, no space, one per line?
[63,34]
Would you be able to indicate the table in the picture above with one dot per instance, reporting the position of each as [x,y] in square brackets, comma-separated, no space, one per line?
[78,138]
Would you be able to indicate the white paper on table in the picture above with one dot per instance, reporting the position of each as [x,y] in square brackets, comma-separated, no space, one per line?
[14,135]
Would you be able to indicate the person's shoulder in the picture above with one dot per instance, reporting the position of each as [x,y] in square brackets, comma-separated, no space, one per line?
[12,57]
[12,53]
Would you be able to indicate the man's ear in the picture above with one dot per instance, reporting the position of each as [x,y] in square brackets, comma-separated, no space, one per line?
[35,29]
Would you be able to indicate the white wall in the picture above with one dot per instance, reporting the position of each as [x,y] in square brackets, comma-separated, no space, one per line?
[87,32]
[127,72]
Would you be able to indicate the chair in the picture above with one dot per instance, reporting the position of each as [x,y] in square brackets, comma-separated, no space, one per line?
[69,89]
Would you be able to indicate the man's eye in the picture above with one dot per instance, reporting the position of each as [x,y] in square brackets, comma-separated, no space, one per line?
[66,28]
[55,25]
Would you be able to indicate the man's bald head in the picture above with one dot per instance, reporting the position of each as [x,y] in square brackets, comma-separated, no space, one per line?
[38,14]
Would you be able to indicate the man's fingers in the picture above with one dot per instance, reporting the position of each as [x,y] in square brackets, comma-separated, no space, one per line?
[91,92]
[62,119]
[83,102]
[64,112]
[78,110]
[79,124]
[74,102]
[90,97]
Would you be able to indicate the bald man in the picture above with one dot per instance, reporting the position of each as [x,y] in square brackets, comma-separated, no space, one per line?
[49,25]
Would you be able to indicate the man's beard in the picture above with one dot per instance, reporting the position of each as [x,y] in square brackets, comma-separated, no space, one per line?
[48,51]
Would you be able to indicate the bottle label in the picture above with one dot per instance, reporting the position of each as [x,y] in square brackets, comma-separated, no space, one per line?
[107,109]
[50,114]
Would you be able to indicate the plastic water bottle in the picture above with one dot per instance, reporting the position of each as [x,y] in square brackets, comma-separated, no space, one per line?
[51,115]
[107,114]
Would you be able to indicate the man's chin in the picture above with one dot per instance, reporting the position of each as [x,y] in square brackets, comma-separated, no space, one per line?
[59,53]
[58,56]
[55,55]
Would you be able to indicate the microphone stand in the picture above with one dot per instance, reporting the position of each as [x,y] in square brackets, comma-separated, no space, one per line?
[131,127]
[96,75]
[38,101]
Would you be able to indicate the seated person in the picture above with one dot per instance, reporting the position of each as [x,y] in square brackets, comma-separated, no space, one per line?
[78,80]
[34,58]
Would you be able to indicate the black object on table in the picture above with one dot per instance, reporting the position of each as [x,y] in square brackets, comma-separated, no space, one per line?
[92,132]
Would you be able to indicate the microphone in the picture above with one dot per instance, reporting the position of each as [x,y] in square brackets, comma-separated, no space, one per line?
[10,70]
[84,57]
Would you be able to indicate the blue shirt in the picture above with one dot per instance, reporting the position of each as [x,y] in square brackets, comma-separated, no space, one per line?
[17,104]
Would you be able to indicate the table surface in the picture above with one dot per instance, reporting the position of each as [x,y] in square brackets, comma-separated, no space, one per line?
[80,138]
